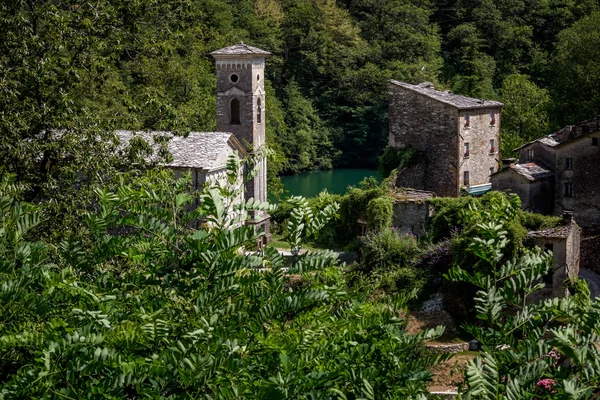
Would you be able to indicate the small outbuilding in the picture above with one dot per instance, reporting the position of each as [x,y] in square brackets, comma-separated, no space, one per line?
[564,242]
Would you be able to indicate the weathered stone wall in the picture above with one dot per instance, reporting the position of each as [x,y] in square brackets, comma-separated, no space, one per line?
[430,126]
[542,196]
[509,180]
[478,134]
[542,155]
[586,183]
[412,176]
[411,217]
[590,253]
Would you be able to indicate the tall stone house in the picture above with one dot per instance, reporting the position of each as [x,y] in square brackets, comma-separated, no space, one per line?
[458,138]
[240,127]
[558,173]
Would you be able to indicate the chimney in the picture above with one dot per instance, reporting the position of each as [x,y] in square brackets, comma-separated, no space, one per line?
[568,216]
[506,162]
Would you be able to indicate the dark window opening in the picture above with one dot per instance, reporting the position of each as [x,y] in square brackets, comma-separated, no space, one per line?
[467,121]
[595,141]
[258,77]
[466,178]
[568,190]
[233,78]
[568,163]
[234,112]
[492,146]
[466,150]
[258,111]
[491,170]
[530,154]
[492,118]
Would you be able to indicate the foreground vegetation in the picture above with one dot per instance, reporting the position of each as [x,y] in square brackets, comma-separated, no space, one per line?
[143,304]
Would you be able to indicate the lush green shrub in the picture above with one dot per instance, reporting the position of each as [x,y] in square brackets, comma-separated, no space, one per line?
[149,307]
[535,222]
[386,262]
[380,211]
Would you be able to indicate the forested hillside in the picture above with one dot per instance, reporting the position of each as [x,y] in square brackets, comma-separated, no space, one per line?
[146,65]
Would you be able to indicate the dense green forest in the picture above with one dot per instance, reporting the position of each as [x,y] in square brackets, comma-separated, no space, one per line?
[68,64]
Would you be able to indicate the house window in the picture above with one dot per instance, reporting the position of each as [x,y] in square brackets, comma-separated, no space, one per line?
[492,146]
[568,163]
[233,78]
[258,111]
[234,112]
[530,154]
[467,121]
[492,118]
[491,170]
[466,150]
[568,189]
[595,141]
[258,77]
[466,178]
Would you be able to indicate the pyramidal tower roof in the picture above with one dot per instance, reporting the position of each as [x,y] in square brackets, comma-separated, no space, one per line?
[240,49]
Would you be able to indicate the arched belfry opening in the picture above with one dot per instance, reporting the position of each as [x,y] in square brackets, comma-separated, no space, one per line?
[234,112]
[259,111]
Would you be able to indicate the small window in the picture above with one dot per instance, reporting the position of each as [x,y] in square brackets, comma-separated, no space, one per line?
[234,78]
[466,178]
[234,112]
[530,154]
[467,120]
[258,78]
[492,118]
[492,170]
[258,111]
[492,146]
[466,150]
[595,141]
[568,190]
[568,163]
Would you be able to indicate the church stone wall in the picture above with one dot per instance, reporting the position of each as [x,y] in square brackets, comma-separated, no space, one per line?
[431,126]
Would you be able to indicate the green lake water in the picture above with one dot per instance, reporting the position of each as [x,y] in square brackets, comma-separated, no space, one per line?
[336,181]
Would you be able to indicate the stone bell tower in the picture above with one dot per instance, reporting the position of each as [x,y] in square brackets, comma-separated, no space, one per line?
[241,110]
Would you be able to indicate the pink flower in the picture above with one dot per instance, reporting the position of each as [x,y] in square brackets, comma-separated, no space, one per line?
[546,383]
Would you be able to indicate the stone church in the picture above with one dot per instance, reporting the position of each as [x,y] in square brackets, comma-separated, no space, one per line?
[458,137]
[240,126]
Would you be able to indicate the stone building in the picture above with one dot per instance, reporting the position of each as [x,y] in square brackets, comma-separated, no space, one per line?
[411,211]
[240,125]
[458,136]
[564,242]
[559,173]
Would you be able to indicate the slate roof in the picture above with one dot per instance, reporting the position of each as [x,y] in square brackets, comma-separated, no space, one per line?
[559,232]
[447,97]
[240,49]
[531,171]
[412,195]
[568,133]
[198,150]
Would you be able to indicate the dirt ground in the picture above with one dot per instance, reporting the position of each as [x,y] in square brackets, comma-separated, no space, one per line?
[449,374]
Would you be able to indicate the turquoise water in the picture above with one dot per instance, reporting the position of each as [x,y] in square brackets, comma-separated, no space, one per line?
[336,181]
